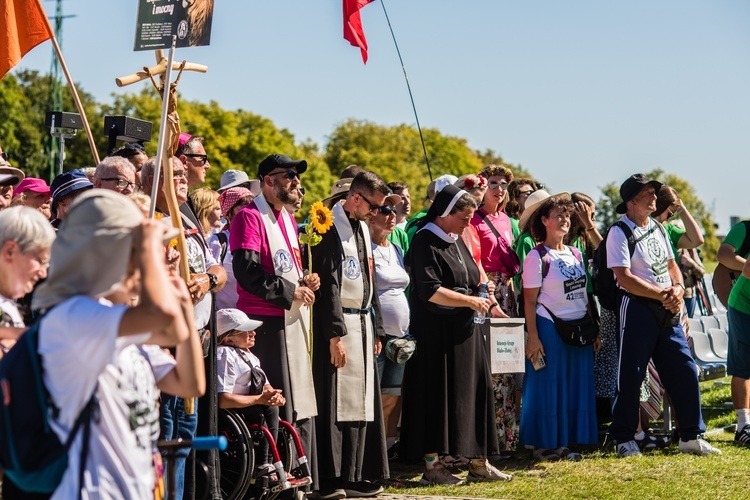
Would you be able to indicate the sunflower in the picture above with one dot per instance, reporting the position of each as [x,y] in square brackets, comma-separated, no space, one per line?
[321,217]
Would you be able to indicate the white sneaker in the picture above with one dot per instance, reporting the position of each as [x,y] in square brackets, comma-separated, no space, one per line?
[487,472]
[698,446]
[628,449]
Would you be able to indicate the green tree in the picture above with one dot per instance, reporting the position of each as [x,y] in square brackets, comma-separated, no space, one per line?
[395,153]
[607,216]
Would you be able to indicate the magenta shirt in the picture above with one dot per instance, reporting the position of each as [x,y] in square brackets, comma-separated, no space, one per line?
[490,247]
[247,232]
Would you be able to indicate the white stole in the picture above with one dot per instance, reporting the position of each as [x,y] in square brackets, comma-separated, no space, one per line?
[288,265]
[355,382]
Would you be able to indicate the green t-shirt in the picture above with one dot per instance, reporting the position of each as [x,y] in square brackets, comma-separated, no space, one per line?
[399,237]
[740,297]
[514,228]
[674,234]
[411,226]
[522,246]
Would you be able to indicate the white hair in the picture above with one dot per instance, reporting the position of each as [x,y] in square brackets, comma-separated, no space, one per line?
[27,227]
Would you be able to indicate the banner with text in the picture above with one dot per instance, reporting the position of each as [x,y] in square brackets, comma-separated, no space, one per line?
[159,20]
[507,345]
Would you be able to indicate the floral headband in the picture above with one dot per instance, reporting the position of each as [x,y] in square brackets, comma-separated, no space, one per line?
[475,181]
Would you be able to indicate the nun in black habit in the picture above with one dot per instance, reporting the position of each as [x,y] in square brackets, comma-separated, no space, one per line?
[448,398]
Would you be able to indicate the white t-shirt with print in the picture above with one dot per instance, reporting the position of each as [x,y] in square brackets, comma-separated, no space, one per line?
[650,260]
[9,314]
[233,370]
[563,290]
[80,348]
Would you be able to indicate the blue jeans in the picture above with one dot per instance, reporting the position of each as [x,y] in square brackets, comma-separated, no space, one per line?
[175,423]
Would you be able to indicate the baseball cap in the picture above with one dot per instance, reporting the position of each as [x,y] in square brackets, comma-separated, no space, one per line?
[31,184]
[234,319]
[632,186]
[280,161]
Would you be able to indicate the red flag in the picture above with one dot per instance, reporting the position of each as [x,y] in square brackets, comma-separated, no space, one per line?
[23,26]
[353,25]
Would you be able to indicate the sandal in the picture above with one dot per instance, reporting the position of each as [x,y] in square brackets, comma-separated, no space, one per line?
[567,454]
[546,455]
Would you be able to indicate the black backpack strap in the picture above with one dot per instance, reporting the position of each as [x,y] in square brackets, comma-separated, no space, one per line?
[224,246]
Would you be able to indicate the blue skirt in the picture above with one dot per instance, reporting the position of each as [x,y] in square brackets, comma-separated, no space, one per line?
[559,406]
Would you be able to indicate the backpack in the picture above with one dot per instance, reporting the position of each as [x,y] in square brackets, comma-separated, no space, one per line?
[602,277]
[31,454]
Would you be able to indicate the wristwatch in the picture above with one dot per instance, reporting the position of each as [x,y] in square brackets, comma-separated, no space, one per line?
[213,281]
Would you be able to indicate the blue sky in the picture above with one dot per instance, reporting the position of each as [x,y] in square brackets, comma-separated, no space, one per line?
[581,93]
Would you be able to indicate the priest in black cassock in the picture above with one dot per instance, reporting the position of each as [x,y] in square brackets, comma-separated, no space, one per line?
[347,336]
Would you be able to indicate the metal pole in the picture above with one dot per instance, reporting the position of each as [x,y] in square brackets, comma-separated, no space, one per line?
[162,128]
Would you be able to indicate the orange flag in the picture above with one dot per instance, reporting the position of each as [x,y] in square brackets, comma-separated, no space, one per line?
[23,26]
[353,31]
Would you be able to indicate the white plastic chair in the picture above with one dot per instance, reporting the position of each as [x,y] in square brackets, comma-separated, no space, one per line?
[719,342]
[703,351]
[695,325]
[723,322]
[709,322]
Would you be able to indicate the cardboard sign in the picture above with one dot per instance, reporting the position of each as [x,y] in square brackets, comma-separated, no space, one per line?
[507,345]
[159,20]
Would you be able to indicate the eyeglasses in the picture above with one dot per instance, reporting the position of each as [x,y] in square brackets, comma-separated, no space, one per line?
[386,210]
[179,174]
[497,184]
[202,159]
[301,190]
[43,262]
[373,207]
[290,174]
[121,183]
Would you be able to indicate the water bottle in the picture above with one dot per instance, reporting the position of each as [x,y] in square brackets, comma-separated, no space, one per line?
[484,293]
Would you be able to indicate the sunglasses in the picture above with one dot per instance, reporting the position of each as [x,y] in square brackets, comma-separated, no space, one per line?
[501,185]
[386,210]
[4,156]
[290,174]
[202,159]
[373,207]
[526,193]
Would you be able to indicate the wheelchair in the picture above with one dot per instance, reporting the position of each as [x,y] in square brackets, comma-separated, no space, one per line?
[238,461]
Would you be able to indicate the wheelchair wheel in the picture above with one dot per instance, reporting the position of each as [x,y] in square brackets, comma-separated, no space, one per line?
[237,461]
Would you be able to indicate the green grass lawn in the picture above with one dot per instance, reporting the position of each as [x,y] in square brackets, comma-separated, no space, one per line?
[660,474]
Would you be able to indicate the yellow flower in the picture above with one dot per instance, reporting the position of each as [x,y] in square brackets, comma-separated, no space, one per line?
[321,217]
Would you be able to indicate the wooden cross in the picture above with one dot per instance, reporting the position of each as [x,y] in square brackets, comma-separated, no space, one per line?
[171,139]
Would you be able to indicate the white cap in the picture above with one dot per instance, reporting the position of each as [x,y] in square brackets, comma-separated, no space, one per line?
[233,178]
[443,181]
[234,319]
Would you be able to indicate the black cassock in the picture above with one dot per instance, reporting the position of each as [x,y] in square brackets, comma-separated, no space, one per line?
[349,451]
[447,389]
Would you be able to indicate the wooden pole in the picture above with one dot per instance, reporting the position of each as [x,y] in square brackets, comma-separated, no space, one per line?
[73,90]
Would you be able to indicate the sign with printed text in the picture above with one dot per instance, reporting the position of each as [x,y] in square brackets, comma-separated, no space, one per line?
[159,20]
[507,345]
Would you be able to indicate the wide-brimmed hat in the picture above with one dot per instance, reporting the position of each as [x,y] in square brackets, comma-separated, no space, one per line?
[228,320]
[68,182]
[6,169]
[280,161]
[234,178]
[533,202]
[632,187]
[100,223]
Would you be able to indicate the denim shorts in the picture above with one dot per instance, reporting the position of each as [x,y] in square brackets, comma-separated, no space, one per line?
[391,375]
